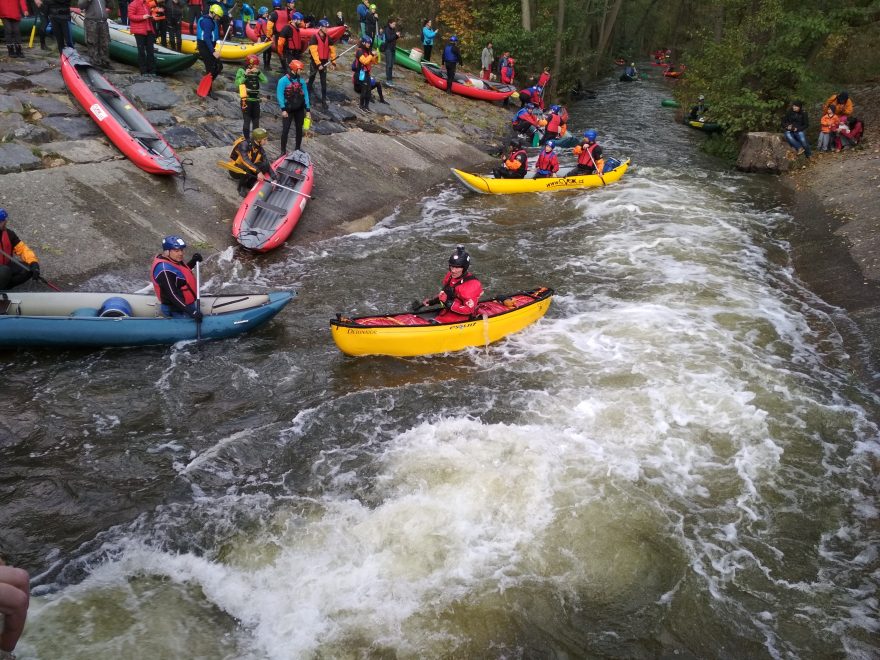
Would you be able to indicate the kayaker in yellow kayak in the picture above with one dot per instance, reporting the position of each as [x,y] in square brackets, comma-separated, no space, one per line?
[459,293]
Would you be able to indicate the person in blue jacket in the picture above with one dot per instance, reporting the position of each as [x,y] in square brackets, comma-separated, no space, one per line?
[293,99]
[363,10]
[207,35]
[451,59]
[428,35]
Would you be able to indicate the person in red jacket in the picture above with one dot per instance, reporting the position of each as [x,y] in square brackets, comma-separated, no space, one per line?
[460,292]
[547,163]
[11,12]
[140,22]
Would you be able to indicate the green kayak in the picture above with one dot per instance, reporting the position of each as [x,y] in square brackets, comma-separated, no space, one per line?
[402,58]
[670,103]
[167,60]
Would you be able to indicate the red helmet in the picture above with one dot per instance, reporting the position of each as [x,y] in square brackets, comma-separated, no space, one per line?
[252,60]
[296,66]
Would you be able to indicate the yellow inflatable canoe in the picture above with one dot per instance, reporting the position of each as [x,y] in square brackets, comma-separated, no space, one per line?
[492,186]
[229,51]
[412,334]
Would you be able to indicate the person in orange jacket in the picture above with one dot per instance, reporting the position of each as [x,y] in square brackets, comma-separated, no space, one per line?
[18,263]
[516,163]
[828,128]
[843,105]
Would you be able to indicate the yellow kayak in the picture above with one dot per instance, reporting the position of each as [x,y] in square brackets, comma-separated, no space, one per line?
[492,186]
[410,334]
[229,51]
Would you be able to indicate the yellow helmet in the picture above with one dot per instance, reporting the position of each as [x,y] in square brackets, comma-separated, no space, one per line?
[217,10]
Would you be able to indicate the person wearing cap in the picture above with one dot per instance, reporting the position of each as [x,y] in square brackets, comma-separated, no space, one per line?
[293,99]
[698,111]
[323,54]
[428,36]
[174,281]
[516,163]
[459,293]
[18,263]
[451,59]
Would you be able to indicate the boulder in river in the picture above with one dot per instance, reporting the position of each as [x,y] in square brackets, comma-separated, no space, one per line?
[765,153]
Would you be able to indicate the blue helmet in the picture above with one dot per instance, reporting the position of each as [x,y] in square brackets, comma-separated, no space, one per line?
[173,243]
[247,9]
[3,215]
[262,11]
[367,41]
[453,38]
[276,4]
[324,23]
[590,135]
[550,143]
[555,108]
[296,16]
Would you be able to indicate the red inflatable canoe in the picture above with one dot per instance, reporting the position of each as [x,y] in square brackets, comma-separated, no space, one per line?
[335,33]
[269,213]
[127,128]
[437,77]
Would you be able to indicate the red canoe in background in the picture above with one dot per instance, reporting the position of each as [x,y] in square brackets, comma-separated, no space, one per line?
[437,77]
[269,213]
[335,33]
[126,127]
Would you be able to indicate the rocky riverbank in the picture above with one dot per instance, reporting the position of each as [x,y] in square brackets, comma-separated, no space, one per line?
[836,240]
[85,209]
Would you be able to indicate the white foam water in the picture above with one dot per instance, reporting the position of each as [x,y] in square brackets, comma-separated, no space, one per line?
[677,459]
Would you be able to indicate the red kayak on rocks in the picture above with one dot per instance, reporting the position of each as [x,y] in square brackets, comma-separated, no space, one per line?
[126,127]
[272,209]
[469,87]
[334,33]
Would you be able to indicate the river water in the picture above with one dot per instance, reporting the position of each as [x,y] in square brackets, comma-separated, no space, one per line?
[679,459]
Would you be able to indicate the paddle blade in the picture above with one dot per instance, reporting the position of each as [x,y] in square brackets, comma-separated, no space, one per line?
[205,85]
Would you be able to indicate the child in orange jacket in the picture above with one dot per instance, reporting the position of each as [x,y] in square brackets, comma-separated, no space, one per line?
[830,124]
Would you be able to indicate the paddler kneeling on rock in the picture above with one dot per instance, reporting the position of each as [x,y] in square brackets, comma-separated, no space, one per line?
[460,292]
[174,281]
[516,163]
[248,162]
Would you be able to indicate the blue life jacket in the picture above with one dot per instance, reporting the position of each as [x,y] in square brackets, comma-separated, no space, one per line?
[449,54]
[207,31]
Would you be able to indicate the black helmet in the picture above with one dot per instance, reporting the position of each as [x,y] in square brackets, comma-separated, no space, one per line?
[460,259]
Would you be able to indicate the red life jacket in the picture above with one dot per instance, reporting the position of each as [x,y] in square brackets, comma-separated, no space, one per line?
[585,157]
[547,161]
[7,246]
[468,288]
[553,123]
[188,290]
[323,46]
[544,79]
[516,156]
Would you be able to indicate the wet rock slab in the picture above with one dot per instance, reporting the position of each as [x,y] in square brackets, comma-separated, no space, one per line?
[10,104]
[80,151]
[9,123]
[17,158]
[153,95]
[50,81]
[72,128]
[183,137]
[328,128]
[10,81]
[159,117]
[47,105]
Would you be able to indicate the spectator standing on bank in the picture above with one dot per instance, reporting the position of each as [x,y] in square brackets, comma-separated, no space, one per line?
[140,21]
[173,20]
[59,18]
[389,45]
[428,35]
[363,9]
[486,60]
[97,30]
[451,59]
[11,12]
